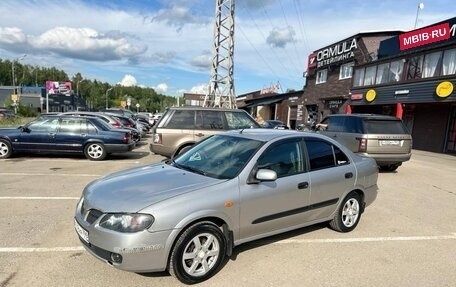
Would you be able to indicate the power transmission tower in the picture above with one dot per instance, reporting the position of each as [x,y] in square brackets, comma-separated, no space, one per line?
[221,87]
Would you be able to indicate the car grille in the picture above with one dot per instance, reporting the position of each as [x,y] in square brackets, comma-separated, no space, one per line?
[90,215]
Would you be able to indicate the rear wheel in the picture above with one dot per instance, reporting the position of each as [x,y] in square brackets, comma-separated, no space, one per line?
[389,167]
[348,215]
[198,253]
[5,149]
[95,151]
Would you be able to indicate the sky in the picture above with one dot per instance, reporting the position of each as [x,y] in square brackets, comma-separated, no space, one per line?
[167,44]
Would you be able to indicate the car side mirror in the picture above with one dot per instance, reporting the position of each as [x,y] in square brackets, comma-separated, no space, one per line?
[25,129]
[266,175]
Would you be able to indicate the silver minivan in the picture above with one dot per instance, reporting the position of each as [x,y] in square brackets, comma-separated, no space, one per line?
[381,137]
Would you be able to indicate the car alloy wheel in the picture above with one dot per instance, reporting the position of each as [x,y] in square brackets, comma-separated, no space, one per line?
[5,149]
[348,214]
[95,151]
[198,253]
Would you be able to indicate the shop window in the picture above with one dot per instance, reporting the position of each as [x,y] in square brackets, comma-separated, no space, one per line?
[431,65]
[346,71]
[383,73]
[449,62]
[415,68]
[396,69]
[322,75]
[369,77]
[358,78]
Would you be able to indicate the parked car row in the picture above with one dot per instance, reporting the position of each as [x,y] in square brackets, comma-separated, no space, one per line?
[93,134]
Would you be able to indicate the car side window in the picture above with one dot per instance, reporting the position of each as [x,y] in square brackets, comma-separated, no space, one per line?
[321,154]
[209,120]
[182,119]
[284,158]
[44,126]
[341,157]
[239,120]
[70,126]
[336,124]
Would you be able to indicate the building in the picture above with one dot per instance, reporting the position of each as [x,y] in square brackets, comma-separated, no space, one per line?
[414,79]
[26,96]
[329,74]
[268,104]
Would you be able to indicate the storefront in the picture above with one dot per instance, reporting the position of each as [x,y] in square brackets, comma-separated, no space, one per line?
[414,79]
[329,74]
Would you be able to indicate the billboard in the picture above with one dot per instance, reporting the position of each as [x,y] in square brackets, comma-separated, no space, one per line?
[55,88]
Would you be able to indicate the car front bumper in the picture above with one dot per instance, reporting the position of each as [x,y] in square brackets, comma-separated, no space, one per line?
[140,252]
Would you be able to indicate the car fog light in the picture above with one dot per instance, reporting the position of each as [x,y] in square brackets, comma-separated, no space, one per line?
[116,258]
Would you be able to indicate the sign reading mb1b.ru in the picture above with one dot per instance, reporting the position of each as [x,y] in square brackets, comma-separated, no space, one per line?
[431,34]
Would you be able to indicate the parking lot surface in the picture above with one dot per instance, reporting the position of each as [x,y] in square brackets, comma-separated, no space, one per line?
[407,237]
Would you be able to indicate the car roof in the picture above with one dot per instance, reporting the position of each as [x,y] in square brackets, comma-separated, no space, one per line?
[265,135]
[198,108]
[366,116]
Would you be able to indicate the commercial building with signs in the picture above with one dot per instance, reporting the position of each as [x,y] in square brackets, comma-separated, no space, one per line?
[414,79]
[329,74]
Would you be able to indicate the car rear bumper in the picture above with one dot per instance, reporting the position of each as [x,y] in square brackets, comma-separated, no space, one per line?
[161,150]
[114,148]
[384,159]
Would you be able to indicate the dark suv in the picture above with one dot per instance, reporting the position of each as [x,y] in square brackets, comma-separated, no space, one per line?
[381,137]
[181,127]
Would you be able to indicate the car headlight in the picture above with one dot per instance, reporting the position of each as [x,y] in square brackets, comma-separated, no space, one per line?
[127,222]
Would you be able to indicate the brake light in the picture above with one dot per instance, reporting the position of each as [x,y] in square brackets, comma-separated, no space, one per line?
[157,138]
[127,137]
[362,145]
[116,124]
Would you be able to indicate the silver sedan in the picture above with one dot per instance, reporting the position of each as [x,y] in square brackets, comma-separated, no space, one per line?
[187,214]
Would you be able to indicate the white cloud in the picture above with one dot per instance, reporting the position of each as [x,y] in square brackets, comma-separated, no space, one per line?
[128,81]
[177,16]
[163,87]
[202,62]
[280,37]
[200,89]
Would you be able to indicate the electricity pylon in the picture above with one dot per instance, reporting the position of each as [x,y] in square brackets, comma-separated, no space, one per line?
[221,85]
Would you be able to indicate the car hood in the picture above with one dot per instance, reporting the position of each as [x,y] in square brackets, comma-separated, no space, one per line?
[9,130]
[134,189]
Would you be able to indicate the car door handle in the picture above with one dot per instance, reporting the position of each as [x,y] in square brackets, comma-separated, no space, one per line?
[199,135]
[303,185]
[348,175]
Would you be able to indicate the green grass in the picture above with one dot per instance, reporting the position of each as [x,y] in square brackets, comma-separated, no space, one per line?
[14,122]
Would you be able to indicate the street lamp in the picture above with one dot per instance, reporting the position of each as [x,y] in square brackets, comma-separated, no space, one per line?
[12,67]
[107,97]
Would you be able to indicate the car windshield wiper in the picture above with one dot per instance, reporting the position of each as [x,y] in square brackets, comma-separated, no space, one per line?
[189,168]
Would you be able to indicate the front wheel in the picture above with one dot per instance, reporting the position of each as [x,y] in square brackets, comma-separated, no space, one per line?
[5,149]
[95,151]
[198,253]
[348,215]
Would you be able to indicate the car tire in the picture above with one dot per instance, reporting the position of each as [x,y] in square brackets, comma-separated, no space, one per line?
[5,149]
[184,149]
[389,167]
[95,151]
[348,214]
[198,253]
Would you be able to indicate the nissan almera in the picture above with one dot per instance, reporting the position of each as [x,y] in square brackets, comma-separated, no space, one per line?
[187,214]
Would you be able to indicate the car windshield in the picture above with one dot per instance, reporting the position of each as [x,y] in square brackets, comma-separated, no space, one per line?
[220,156]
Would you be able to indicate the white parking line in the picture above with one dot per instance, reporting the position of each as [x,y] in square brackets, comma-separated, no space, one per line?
[368,239]
[54,249]
[286,241]
[39,197]
[50,174]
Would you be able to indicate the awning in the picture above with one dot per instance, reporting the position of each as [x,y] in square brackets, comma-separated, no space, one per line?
[262,102]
